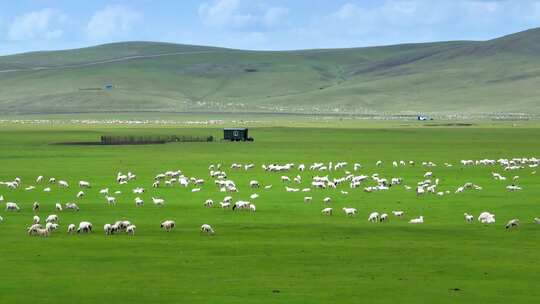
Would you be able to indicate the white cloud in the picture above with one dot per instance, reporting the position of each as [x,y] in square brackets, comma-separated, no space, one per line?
[114,21]
[45,24]
[240,15]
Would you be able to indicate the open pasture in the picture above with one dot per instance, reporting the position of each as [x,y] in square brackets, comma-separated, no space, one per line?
[286,251]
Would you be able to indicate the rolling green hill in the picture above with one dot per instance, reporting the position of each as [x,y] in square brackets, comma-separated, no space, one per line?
[495,76]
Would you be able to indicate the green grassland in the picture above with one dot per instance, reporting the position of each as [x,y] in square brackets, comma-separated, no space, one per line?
[496,76]
[287,251]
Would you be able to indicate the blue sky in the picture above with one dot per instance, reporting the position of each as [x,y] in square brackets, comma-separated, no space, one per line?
[30,25]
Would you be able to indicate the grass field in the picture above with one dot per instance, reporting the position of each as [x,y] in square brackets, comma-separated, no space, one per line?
[287,251]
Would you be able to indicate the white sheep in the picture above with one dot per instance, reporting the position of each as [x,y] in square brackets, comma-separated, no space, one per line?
[58,206]
[131,229]
[168,225]
[486,218]
[350,211]
[139,202]
[327,200]
[207,229]
[208,203]
[418,220]
[63,184]
[35,206]
[224,205]
[327,211]
[468,218]
[111,200]
[80,194]
[51,226]
[254,184]
[383,217]
[11,206]
[53,218]
[513,223]
[158,201]
[84,227]
[72,206]
[254,196]
[38,231]
[308,199]
[71,228]
[373,217]
[104,191]
[252,208]
[537,220]
[84,184]
[36,219]
[398,213]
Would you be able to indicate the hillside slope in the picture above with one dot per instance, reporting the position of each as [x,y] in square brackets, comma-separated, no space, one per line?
[500,75]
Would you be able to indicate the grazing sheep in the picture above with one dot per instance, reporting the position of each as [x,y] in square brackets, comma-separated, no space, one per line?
[71,228]
[80,194]
[35,206]
[53,218]
[254,196]
[513,223]
[72,206]
[111,200]
[419,220]
[254,184]
[208,203]
[58,207]
[104,191]
[373,217]
[158,201]
[51,226]
[224,205]
[39,179]
[308,199]
[84,227]
[1,198]
[398,213]
[48,189]
[84,184]
[252,208]
[468,218]
[537,220]
[131,229]
[168,225]
[52,180]
[10,206]
[486,218]
[63,184]
[207,229]
[383,217]
[350,211]
[1,219]
[327,200]
[327,211]
[36,219]
[138,202]
[38,231]
[109,229]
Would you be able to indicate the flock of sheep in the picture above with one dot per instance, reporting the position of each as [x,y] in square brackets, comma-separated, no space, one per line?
[341,170]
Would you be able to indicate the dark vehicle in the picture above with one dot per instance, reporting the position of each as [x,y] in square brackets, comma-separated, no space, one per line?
[236,134]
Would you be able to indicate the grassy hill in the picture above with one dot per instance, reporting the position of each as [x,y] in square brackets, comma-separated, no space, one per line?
[500,75]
